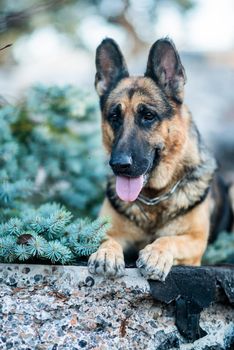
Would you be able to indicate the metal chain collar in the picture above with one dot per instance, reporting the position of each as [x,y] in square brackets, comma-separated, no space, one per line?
[159,199]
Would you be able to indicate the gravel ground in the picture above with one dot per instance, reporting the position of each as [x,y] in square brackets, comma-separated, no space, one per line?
[58,308]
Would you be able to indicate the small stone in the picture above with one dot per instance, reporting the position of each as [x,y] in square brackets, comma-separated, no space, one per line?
[89,281]
[153,324]
[26,270]
[37,278]
[24,238]
[10,317]
[12,282]
[128,313]
[82,343]
[43,315]
[60,333]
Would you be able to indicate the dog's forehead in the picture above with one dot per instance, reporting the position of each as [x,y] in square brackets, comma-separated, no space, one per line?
[135,90]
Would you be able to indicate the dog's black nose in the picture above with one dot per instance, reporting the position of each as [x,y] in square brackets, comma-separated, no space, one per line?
[120,162]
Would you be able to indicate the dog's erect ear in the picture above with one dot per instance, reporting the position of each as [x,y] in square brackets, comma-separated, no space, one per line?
[164,67]
[110,64]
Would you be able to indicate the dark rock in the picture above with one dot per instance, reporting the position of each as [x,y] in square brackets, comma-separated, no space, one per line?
[10,317]
[26,270]
[37,278]
[12,282]
[101,324]
[89,281]
[171,341]
[153,324]
[194,289]
[82,343]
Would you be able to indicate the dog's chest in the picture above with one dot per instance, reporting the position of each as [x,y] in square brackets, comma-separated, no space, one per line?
[149,219]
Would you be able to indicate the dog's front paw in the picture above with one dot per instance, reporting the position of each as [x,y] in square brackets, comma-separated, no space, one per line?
[154,263]
[107,263]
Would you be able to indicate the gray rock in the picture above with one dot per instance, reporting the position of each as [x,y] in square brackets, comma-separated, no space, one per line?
[64,308]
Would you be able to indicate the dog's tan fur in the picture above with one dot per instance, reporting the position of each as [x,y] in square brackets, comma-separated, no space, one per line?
[163,238]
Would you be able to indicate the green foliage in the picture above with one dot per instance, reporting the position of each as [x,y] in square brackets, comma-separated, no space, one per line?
[221,251]
[48,233]
[50,152]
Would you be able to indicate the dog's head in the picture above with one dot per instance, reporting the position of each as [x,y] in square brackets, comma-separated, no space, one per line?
[137,112]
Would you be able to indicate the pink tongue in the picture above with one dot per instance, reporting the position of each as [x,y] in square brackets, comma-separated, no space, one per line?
[127,188]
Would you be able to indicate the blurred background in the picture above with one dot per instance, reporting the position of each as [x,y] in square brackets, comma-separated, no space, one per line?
[54,42]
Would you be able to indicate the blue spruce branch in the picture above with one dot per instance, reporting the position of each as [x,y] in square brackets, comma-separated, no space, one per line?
[51,170]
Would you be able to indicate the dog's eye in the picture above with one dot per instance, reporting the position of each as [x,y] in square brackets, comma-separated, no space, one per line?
[149,116]
[114,117]
[146,115]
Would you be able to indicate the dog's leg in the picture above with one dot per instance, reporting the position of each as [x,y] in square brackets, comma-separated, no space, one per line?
[108,260]
[185,247]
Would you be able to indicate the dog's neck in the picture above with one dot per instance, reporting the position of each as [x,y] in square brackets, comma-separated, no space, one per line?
[151,200]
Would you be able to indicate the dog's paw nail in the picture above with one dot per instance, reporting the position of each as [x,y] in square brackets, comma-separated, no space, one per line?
[140,263]
[120,271]
[97,264]
[91,267]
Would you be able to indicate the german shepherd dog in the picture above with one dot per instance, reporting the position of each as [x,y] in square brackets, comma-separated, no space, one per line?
[161,194]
